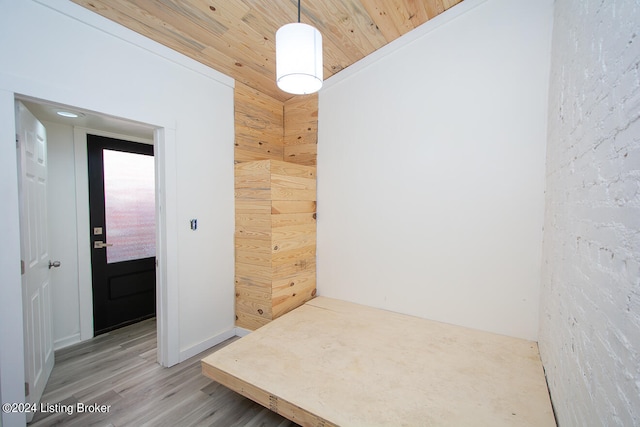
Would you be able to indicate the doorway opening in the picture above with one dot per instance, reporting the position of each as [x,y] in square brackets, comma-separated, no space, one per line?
[73,240]
[123,231]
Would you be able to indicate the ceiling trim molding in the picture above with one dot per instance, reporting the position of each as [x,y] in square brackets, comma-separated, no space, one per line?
[114,29]
[403,41]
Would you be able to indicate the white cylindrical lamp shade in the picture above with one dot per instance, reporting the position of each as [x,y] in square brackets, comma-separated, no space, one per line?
[299,58]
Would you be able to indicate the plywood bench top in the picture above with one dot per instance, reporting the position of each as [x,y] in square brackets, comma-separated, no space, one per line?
[331,362]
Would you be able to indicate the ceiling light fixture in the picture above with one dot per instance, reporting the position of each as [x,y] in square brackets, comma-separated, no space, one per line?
[69,114]
[299,58]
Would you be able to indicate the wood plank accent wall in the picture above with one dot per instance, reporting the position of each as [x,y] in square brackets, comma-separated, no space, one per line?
[270,129]
[275,239]
[259,124]
[275,232]
[301,129]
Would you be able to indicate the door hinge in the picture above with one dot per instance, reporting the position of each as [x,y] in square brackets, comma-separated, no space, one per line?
[17,141]
[26,389]
[22,267]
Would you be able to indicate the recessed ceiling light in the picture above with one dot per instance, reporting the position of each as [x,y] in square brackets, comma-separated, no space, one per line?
[69,114]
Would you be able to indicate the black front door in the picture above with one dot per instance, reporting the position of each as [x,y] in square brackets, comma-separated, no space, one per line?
[122,220]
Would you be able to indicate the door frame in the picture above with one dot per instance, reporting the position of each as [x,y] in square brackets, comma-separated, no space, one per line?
[12,375]
[83,211]
[126,308]
[167,304]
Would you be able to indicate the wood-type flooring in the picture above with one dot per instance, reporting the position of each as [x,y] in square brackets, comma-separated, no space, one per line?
[119,369]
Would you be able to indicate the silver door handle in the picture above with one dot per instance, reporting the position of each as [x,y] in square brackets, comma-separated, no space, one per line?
[55,264]
[99,244]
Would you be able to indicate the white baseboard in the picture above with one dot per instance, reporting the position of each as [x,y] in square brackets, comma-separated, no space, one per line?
[207,344]
[213,341]
[242,332]
[66,341]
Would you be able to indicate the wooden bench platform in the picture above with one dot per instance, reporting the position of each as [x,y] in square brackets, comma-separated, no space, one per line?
[331,362]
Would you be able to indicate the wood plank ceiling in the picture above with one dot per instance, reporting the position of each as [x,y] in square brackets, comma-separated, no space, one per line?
[237,37]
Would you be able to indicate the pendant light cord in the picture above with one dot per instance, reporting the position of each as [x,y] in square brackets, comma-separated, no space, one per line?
[298,11]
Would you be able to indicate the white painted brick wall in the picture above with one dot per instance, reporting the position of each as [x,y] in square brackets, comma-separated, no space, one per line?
[590,299]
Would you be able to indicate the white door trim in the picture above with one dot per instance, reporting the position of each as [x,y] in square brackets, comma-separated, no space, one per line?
[167,309]
[11,320]
[82,233]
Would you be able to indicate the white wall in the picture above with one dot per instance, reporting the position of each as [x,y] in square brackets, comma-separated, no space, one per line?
[590,305]
[102,67]
[63,239]
[431,170]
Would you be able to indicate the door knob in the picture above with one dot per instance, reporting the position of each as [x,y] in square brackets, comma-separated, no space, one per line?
[55,264]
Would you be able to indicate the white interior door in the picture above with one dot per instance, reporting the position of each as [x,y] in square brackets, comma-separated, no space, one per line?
[36,261]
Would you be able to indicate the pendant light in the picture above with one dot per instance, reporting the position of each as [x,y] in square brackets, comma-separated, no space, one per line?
[299,58]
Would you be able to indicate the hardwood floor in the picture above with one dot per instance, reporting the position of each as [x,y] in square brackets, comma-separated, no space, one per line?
[119,369]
